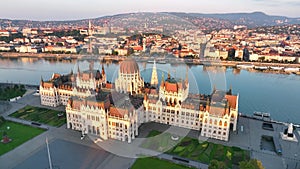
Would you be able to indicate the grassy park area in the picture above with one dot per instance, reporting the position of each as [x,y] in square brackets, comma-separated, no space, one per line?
[41,115]
[9,92]
[192,149]
[18,133]
[150,163]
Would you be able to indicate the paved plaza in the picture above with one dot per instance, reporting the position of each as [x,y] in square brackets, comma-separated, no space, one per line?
[65,155]
[69,151]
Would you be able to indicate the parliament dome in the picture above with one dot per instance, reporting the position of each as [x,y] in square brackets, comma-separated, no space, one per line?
[129,66]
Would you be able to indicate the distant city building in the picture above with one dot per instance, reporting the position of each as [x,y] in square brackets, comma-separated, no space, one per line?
[246,55]
[231,54]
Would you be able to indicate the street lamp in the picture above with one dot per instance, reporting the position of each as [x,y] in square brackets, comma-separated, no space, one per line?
[7,128]
[5,138]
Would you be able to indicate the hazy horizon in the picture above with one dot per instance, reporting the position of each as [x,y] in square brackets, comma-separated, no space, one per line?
[81,9]
[75,19]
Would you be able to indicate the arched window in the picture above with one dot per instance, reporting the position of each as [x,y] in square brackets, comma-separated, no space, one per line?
[225,124]
[220,123]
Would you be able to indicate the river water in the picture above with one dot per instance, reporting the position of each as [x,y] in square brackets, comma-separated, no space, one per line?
[276,94]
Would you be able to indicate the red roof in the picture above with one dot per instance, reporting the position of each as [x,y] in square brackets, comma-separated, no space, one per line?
[117,112]
[171,87]
[109,85]
[96,104]
[231,100]
[48,85]
[56,75]
[137,48]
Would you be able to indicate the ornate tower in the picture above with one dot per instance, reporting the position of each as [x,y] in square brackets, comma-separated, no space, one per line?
[154,80]
[90,34]
[90,31]
[144,43]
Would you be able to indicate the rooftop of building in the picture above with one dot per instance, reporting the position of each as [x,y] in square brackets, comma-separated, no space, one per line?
[61,81]
[129,66]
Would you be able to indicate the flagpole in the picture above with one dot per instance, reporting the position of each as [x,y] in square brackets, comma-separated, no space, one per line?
[49,158]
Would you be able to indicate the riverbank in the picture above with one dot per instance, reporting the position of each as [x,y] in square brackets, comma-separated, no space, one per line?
[39,55]
[171,60]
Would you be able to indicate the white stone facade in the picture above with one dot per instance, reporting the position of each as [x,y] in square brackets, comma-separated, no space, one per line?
[108,113]
[60,88]
[102,120]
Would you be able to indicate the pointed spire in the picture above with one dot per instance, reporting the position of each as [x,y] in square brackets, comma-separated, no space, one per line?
[187,76]
[226,108]
[42,81]
[207,104]
[103,71]
[91,66]
[145,96]
[230,90]
[169,76]
[154,80]
[78,70]
[90,28]
[162,79]
[71,73]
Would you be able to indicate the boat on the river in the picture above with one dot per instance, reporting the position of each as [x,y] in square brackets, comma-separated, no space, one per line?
[276,68]
[150,61]
[261,67]
[245,66]
[290,69]
[161,62]
[261,114]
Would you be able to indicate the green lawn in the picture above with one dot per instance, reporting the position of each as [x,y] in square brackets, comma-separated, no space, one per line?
[18,133]
[10,92]
[41,115]
[192,149]
[155,163]
[159,141]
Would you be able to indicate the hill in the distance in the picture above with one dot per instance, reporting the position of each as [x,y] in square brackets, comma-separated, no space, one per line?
[217,21]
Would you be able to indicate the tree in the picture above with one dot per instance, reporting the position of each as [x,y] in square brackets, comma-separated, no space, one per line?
[215,164]
[261,59]
[22,86]
[251,164]
[231,54]
[16,87]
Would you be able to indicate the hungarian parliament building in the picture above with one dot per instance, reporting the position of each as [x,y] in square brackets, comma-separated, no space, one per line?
[116,110]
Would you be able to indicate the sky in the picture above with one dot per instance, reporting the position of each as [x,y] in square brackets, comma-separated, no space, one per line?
[82,9]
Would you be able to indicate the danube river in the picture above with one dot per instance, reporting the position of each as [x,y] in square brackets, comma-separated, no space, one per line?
[276,94]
